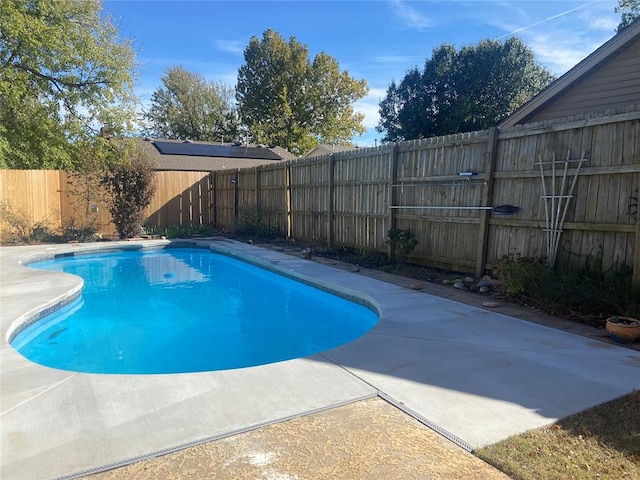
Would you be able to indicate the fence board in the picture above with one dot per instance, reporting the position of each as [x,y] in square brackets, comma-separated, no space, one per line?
[349,203]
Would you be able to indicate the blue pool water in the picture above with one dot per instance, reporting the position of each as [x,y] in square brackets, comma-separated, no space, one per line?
[185,310]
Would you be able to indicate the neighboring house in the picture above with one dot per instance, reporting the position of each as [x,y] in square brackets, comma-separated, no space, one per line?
[324,149]
[607,80]
[207,156]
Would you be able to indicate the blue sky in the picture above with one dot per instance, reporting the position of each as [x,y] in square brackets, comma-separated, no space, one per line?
[375,40]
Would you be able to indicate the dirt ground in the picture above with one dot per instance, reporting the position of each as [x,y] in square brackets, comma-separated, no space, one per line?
[370,439]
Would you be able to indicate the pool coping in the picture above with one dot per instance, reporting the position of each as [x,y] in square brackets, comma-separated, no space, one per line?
[386,362]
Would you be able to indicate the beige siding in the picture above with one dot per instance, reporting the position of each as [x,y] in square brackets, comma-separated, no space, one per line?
[613,85]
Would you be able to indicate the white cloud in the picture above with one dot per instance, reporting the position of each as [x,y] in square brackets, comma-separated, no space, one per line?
[369,106]
[409,16]
[602,23]
[393,59]
[229,46]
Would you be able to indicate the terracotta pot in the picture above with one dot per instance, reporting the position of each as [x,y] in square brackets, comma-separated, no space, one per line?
[628,332]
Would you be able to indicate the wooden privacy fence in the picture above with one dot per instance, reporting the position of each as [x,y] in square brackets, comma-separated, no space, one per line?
[443,189]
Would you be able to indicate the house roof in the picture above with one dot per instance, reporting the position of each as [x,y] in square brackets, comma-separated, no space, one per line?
[326,149]
[561,84]
[208,156]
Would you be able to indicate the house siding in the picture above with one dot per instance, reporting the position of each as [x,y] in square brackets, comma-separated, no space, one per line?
[612,85]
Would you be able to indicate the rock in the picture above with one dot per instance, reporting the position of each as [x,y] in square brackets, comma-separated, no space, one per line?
[355,269]
[250,242]
[459,285]
[484,289]
[446,282]
[490,304]
[416,286]
[306,253]
[486,278]
[468,280]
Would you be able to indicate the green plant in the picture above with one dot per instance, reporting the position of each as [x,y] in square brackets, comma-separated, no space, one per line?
[402,242]
[130,186]
[19,228]
[81,231]
[586,292]
[252,226]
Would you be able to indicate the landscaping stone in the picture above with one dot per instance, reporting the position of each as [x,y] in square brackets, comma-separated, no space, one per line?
[484,289]
[490,304]
[459,285]
[416,286]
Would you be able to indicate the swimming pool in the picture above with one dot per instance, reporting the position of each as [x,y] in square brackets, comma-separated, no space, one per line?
[180,310]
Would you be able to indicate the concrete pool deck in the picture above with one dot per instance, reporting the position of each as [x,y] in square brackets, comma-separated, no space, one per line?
[472,374]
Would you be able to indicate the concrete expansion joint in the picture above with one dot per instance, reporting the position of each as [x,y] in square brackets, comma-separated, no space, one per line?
[426,422]
[39,394]
[212,438]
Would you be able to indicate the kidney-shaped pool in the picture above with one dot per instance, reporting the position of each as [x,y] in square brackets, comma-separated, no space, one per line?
[180,310]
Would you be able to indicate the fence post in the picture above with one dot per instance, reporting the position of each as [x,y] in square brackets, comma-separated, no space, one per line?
[485,201]
[391,194]
[258,197]
[330,199]
[287,193]
[213,202]
[236,196]
[636,246]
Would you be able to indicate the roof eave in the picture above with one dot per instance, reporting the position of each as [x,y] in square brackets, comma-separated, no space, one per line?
[565,81]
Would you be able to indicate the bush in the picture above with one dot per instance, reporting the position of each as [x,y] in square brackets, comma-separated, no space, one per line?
[18,228]
[130,186]
[583,292]
[252,226]
[402,243]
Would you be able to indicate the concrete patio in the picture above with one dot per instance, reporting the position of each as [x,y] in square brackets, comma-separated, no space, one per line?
[474,375]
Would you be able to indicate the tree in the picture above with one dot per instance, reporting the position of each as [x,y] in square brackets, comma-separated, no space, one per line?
[64,73]
[287,100]
[188,106]
[130,185]
[460,91]
[630,10]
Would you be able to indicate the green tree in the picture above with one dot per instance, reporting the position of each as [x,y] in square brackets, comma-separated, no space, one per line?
[460,91]
[287,100]
[64,73]
[188,106]
[130,185]
[629,10]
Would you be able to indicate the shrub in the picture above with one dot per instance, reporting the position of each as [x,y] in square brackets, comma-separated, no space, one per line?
[18,228]
[130,186]
[252,226]
[587,291]
[402,242]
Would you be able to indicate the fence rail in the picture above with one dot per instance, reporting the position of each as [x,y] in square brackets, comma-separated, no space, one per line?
[443,189]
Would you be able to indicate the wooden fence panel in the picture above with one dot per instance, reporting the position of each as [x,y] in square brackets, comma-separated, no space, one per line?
[360,191]
[344,198]
[181,198]
[309,199]
[34,194]
[273,196]
[225,197]
[247,209]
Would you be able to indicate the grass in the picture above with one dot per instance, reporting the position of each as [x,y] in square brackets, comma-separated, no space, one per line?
[601,443]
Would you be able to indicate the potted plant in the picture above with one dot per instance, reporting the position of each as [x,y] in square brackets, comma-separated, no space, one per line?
[624,329]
